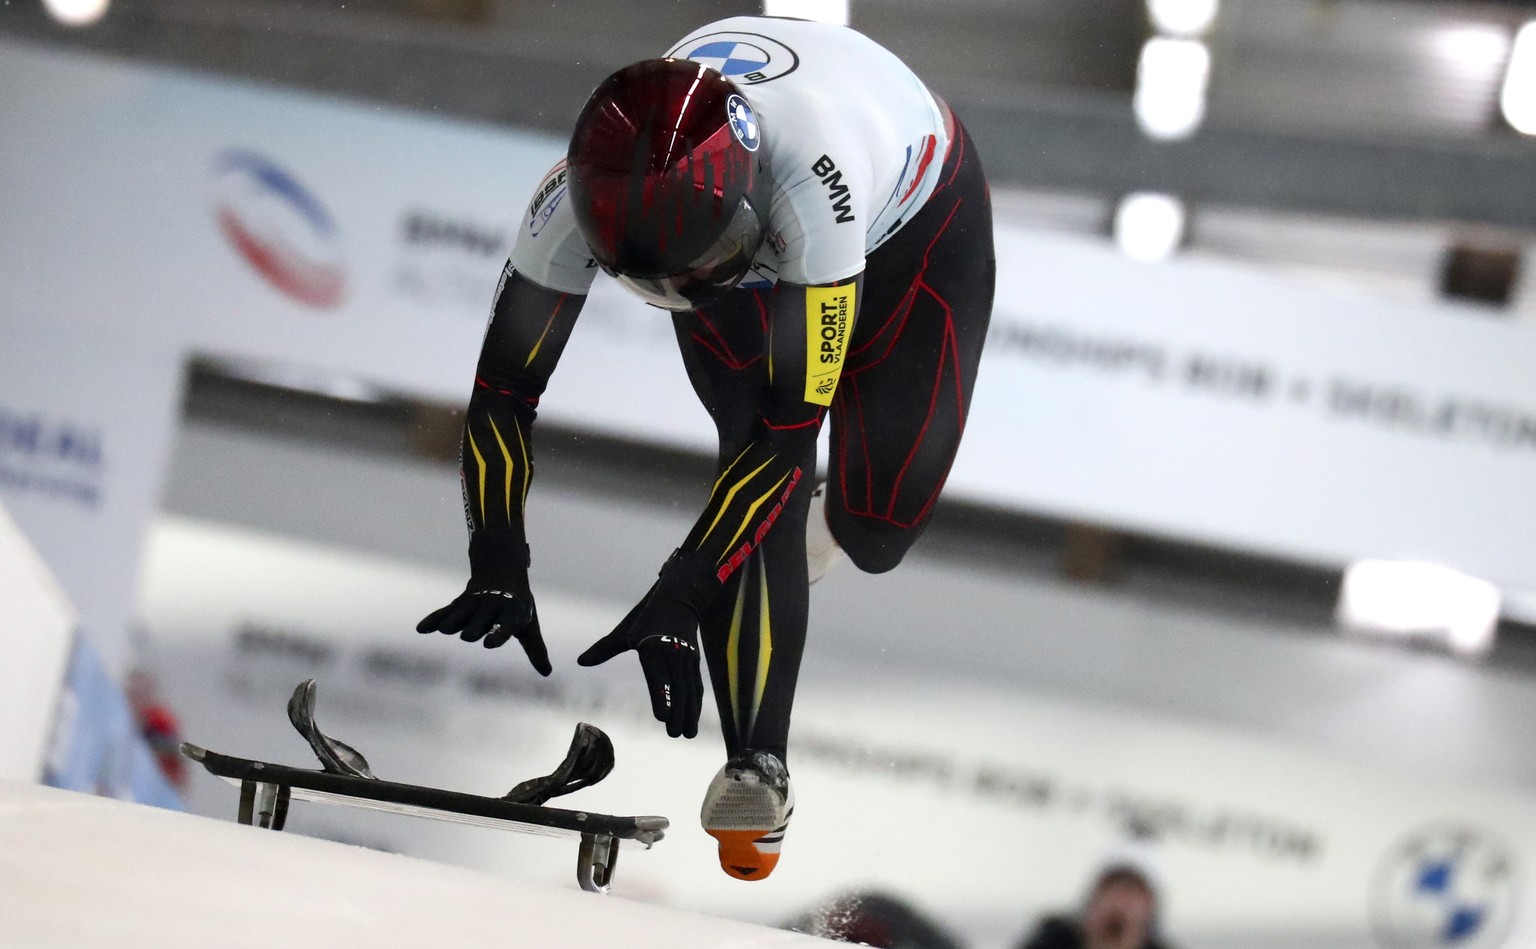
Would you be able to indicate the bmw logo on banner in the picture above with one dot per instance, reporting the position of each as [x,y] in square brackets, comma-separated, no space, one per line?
[744,58]
[279,228]
[1446,887]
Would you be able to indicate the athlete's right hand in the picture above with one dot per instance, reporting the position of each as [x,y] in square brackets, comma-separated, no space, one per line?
[494,611]
[664,634]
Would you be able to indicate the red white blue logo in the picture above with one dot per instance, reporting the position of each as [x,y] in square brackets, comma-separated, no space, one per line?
[279,227]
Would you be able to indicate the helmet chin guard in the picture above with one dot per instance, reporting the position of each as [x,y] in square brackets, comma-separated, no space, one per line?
[668,182]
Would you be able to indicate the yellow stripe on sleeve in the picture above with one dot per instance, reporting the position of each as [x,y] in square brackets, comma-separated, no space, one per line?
[538,345]
[507,488]
[730,495]
[728,469]
[750,512]
[479,460]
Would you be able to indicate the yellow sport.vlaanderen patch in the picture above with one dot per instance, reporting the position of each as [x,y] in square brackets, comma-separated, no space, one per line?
[828,319]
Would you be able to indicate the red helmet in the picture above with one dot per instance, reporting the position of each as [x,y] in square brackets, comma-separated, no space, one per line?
[668,182]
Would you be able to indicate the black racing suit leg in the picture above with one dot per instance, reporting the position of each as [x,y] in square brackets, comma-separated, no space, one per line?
[753,632]
[900,409]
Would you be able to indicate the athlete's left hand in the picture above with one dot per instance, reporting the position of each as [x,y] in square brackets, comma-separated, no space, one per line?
[495,607]
[663,630]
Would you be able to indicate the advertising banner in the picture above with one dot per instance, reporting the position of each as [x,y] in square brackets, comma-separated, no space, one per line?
[85,435]
[1208,402]
[1191,399]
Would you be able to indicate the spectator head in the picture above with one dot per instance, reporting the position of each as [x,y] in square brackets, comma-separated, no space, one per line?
[1121,912]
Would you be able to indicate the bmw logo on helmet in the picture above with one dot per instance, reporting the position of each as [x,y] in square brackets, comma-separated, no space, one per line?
[744,123]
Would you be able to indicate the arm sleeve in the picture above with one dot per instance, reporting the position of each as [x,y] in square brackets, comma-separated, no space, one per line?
[528,330]
[809,330]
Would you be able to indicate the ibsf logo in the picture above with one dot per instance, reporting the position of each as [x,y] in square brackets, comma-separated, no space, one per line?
[1445,886]
[546,199]
[279,227]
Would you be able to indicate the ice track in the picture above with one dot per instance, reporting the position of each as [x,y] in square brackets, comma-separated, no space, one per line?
[81,871]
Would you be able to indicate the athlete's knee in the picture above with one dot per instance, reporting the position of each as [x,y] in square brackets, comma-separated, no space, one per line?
[875,545]
[878,557]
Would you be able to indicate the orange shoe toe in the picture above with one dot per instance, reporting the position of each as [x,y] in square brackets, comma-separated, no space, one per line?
[742,857]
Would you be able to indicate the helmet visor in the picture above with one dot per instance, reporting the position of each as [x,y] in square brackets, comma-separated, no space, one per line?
[712,273]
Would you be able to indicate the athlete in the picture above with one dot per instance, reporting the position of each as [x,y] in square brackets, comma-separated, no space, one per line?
[818,225]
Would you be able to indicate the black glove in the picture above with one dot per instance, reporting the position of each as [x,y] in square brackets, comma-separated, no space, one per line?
[494,607]
[663,629]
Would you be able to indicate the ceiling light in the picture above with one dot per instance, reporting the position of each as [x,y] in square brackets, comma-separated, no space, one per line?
[822,11]
[76,12]
[1182,17]
[1421,602]
[1149,226]
[1170,87]
[1518,100]
[1475,46]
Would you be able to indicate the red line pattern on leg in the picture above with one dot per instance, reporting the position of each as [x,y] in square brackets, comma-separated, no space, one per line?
[719,347]
[725,357]
[840,409]
[933,405]
[814,420]
[849,410]
[949,355]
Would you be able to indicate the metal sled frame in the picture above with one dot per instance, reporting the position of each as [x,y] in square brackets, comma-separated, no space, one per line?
[266,789]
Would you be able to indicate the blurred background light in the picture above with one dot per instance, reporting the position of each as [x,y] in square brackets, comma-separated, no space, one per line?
[1518,99]
[1419,602]
[1471,55]
[1149,226]
[823,11]
[1477,46]
[76,12]
[1170,87]
[1182,17]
